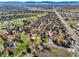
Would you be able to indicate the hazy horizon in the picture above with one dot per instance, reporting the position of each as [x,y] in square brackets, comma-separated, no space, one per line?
[35,0]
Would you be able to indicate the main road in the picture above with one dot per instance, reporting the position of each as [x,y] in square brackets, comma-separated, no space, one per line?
[70,31]
[68,28]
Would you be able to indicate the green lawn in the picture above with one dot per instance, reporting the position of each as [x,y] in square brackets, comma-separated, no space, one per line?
[1,42]
[2,31]
[34,17]
[21,46]
[19,22]
[16,22]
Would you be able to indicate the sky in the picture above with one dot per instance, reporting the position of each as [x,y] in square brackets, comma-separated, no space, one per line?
[38,0]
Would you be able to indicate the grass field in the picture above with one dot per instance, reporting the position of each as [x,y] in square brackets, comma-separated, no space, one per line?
[1,42]
[36,16]
[2,31]
[18,22]
[61,52]
[22,46]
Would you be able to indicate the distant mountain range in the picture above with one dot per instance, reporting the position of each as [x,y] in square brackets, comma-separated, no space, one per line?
[40,3]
